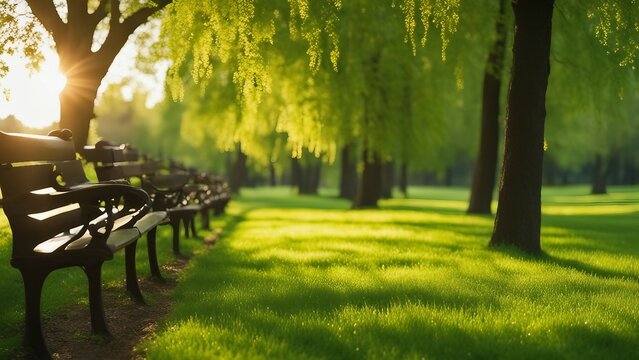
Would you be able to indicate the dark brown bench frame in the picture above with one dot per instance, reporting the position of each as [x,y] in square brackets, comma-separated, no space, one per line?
[60,220]
[167,191]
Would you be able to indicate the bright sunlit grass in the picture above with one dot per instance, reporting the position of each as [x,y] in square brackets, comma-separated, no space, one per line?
[303,277]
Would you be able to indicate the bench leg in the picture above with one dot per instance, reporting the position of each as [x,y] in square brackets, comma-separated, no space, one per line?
[33,338]
[205,219]
[152,251]
[192,221]
[132,286]
[175,224]
[98,322]
[185,222]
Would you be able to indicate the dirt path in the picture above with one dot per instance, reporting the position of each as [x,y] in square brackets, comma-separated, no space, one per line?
[68,334]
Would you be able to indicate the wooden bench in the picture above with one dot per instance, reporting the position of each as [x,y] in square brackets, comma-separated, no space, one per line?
[167,191]
[58,219]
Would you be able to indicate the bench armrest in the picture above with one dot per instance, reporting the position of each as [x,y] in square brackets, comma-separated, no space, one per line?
[97,201]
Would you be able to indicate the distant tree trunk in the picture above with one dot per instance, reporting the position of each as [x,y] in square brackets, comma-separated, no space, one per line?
[403,179]
[481,193]
[448,176]
[296,172]
[518,219]
[368,192]
[630,172]
[388,179]
[348,176]
[599,176]
[238,172]
[310,177]
[272,179]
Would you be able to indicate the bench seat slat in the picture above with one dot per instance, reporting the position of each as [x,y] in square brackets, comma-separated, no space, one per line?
[117,240]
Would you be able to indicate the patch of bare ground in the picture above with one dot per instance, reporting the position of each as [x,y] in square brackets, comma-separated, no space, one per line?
[68,335]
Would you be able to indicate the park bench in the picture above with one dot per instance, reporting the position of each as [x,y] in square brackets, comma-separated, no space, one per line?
[167,191]
[210,192]
[58,219]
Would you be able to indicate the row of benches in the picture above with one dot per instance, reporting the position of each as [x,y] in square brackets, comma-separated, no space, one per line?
[59,219]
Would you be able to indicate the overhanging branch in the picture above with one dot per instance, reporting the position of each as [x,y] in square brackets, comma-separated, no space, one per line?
[119,32]
[47,14]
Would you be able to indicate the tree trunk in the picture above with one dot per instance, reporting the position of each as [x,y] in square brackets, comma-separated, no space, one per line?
[83,66]
[348,176]
[310,177]
[388,179]
[272,179]
[238,172]
[599,176]
[403,179]
[448,176]
[481,193]
[518,219]
[630,173]
[368,192]
[296,172]
[76,111]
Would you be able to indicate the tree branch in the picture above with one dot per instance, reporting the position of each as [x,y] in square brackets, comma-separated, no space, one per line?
[116,14]
[119,32]
[48,16]
[77,10]
[100,12]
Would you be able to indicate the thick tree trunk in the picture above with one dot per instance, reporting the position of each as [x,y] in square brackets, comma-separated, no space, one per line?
[83,66]
[76,111]
[238,172]
[348,176]
[599,176]
[481,193]
[368,192]
[388,179]
[518,219]
[403,179]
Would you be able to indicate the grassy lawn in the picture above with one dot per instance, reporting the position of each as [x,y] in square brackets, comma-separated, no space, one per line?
[305,277]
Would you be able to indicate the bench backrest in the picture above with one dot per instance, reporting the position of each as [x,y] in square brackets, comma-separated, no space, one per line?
[32,168]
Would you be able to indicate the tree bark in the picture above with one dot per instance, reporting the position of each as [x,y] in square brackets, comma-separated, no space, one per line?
[518,219]
[481,193]
[599,176]
[368,192]
[348,176]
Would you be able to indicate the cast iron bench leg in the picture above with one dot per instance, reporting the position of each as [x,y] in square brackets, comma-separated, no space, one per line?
[185,222]
[33,338]
[153,257]
[98,322]
[175,224]
[192,221]
[132,286]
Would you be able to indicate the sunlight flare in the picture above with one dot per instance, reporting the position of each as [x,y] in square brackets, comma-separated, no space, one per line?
[33,96]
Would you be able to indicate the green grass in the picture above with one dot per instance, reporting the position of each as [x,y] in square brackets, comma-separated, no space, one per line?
[305,277]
